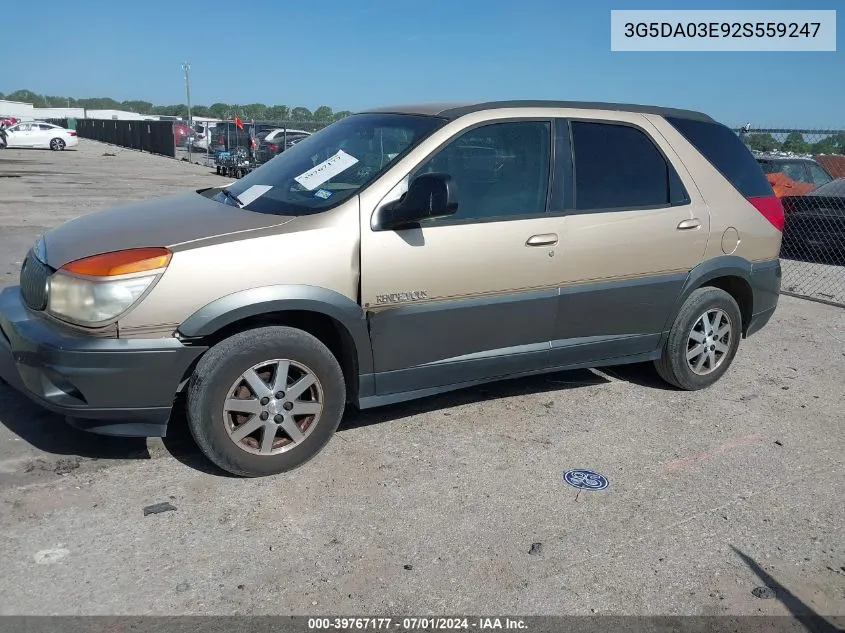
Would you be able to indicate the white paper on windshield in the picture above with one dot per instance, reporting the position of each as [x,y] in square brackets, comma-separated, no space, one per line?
[253,193]
[326,170]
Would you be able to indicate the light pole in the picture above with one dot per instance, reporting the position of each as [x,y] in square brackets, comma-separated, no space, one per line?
[186,66]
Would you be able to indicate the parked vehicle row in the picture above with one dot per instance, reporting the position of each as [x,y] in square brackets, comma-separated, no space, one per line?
[38,134]
[793,175]
[814,205]
[815,222]
[270,140]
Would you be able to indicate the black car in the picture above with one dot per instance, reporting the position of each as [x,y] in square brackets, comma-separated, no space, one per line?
[815,221]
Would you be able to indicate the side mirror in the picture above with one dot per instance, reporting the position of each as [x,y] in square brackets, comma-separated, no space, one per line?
[428,196]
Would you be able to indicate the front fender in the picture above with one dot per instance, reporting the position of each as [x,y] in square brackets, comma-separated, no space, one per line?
[267,299]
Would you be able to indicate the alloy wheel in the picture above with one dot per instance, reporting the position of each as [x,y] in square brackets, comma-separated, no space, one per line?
[273,407]
[709,341]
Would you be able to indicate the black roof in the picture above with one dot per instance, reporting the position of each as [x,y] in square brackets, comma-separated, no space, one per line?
[455,110]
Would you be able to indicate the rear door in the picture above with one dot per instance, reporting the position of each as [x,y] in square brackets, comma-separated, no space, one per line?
[42,134]
[635,226]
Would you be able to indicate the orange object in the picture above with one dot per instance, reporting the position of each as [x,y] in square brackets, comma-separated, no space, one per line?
[783,185]
[833,163]
[134,260]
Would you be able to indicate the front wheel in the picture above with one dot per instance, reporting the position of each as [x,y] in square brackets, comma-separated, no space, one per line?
[703,340]
[57,144]
[265,401]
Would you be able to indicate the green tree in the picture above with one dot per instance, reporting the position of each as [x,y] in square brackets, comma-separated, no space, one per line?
[141,107]
[300,113]
[100,103]
[341,115]
[277,113]
[795,143]
[762,142]
[219,110]
[323,114]
[26,96]
[257,111]
[54,101]
[171,110]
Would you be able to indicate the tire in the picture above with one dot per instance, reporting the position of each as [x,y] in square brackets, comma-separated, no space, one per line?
[57,144]
[218,170]
[214,386]
[688,335]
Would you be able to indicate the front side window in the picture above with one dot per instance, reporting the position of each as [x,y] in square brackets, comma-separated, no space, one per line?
[330,166]
[818,175]
[619,167]
[795,171]
[500,170]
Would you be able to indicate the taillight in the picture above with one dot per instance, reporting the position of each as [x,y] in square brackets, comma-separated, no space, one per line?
[771,209]
[273,148]
[72,133]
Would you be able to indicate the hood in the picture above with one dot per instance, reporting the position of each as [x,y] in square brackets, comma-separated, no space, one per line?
[164,221]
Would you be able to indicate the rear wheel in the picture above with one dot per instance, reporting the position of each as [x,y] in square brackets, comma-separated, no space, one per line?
[265,401]
[703,340]
[57,144]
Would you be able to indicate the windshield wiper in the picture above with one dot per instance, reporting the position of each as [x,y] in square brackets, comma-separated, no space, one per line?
[232,197]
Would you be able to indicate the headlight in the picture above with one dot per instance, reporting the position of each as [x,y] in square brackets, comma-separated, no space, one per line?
[100,288]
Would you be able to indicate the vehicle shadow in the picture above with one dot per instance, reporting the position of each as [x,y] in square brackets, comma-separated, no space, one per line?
[559,381]
[812,621]
[48,432]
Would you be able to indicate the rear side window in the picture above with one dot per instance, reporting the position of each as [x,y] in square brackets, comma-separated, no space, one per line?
[727,153]
[620,167]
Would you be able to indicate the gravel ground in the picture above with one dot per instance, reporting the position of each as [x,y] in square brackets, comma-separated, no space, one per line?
[434,506]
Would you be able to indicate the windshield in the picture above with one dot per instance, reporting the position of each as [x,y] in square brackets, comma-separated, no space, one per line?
[330,166]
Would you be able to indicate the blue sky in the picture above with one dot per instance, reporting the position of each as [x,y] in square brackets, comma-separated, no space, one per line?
[373,52]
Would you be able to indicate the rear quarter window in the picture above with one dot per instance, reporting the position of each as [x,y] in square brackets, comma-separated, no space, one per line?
[727,153]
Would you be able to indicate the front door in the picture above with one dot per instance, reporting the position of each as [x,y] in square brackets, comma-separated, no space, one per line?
[474,295]
[636,228]
[20,135]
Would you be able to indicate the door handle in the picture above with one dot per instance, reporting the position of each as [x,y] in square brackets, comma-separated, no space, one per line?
[544,239]
[686,225]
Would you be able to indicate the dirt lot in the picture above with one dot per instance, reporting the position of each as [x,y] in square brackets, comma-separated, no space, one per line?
[433,506]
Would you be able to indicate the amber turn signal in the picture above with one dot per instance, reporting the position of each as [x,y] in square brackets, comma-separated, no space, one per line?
[134,260]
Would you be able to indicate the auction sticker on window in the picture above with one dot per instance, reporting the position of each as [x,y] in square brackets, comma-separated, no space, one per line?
[253,193]
[326,170]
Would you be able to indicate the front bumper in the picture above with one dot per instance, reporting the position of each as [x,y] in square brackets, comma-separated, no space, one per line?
[105,385]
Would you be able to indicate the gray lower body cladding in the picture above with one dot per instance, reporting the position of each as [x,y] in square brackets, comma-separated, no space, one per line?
[119,387]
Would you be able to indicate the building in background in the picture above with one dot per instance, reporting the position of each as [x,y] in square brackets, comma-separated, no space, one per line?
[28,112]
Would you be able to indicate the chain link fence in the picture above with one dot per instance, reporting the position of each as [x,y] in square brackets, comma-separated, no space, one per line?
[257,141]
[806,169]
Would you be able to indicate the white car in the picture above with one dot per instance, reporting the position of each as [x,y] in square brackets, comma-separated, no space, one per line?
[278,135]
[40,134]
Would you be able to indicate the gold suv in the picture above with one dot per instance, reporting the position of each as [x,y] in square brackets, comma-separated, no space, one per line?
[399,253]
